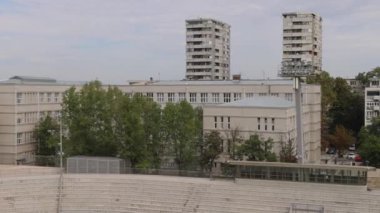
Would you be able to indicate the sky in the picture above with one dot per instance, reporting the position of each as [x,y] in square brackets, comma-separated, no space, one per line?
[115,41]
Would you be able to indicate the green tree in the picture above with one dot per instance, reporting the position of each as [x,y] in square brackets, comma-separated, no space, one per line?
[288,152]
[328,97]
[256,149]
[181,130]
[369,147]
[348,108]
[341,139]
[46,133]
[86,114]
[233,141]
[210,150]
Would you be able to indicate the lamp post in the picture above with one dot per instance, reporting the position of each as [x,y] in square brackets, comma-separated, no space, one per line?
[60,144]
[297,70]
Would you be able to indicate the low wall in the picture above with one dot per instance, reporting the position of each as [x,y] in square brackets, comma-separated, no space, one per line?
[373,179]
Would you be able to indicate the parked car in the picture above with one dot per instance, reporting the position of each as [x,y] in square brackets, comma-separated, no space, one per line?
[352,147]
[358,158]
[351,155]
[331,151]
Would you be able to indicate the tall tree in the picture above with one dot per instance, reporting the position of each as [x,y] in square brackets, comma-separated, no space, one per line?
[90,127]
[234,139]
[288,152]
[341,139]
[328,97]
[47,135]
[211,149]
[181,132]
[256,149]
[369,147]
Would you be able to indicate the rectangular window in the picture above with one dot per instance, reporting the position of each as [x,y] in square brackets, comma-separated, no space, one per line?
[160,97]
[258,120]
[19,98]
[204,97]
[19,138]
[149,95]
[216,122]
[193,97]
[181,96]
[258,127]
[265,120]
[237,96]
[228,122]
[227,97]
[272,127]
[215,97]
[265,127]
[221,122]
[274,94]
[42,97]
[171,97]
[289,96]
[56,96]
[49,97]
[249,95]
[262,94]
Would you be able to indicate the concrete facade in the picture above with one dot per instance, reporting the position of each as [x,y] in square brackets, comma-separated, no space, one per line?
[24,101]
[207,50]
[302,38]
[372,101]
[268,117]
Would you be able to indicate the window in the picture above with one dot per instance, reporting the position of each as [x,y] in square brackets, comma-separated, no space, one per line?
[160,97]
[221,122]
[265,120]
[19,138]
[274,94]
[258,127]
[227,97]
[265,127]
[56,95]
[272,127]
[49,97]
[182,96]
[237,96]
[42,97]
[289,96]
[193,97]
[171,97]
[19,98]
[204,97]
[228,122]
[215,97]
[216,122]
[149,95]
[249,95]
[262,94]
[258,120]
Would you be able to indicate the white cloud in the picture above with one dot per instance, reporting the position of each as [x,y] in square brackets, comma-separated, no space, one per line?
[127,39]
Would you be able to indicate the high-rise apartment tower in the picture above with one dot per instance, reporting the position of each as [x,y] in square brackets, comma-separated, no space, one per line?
[207,50]
[302,39]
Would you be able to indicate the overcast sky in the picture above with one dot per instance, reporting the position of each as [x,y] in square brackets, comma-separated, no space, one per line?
[119,40]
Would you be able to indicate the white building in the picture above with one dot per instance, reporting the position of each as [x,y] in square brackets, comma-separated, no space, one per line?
[23,101]
[207,50]
[302,38]
[372,101]
[268,117]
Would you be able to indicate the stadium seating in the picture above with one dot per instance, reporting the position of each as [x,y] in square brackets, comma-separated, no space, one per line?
[35,189]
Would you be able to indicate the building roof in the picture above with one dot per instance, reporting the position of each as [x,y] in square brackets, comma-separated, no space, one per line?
[265,101]
[206,82]
[33,79]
